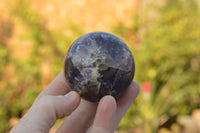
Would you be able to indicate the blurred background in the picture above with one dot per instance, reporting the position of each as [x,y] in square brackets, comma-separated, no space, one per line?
[163,35]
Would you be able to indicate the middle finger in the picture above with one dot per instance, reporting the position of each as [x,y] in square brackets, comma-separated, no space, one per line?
[81,118]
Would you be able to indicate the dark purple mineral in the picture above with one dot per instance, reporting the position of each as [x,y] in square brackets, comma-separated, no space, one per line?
[99,64]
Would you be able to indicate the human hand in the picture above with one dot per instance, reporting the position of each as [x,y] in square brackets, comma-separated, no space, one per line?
[57,101]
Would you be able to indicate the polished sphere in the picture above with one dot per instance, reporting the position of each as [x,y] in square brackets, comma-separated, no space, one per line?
[99,64]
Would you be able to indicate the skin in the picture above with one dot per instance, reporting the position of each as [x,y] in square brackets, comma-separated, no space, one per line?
[57,101]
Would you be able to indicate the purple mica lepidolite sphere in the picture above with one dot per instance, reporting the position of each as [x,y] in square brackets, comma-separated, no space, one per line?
[99,64]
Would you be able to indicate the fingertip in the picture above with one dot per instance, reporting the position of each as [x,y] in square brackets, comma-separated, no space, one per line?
[107,102]
[77,97]
[129,96]
[105,115]
[135,87]
[72,95]
[72,98]
[132,91]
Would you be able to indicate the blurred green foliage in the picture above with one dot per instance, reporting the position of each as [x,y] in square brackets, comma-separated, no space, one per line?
[3,57]
[169,60]
[47,46]
[166,50]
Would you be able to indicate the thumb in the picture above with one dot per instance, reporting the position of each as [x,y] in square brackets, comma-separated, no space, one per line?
[44,113]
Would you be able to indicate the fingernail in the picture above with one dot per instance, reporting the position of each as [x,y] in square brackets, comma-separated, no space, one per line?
[71,94]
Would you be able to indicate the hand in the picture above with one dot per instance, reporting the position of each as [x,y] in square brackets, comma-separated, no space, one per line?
[57,101]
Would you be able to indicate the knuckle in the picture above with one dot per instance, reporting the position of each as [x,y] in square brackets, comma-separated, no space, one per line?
[46,99]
